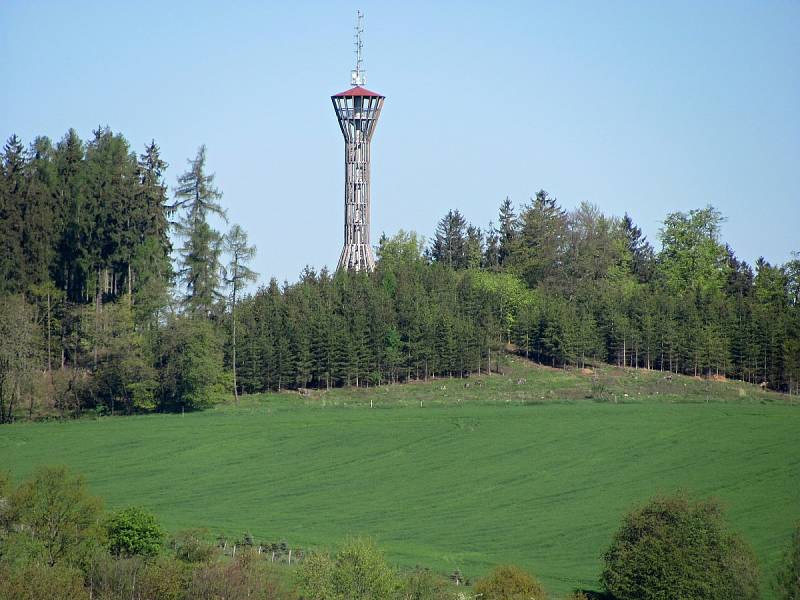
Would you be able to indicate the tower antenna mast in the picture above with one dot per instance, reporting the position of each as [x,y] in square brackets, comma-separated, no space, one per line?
[358,75]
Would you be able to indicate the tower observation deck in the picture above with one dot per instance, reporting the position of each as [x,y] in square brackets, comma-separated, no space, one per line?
[357,110]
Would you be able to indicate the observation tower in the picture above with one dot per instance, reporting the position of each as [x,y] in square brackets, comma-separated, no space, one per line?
[357,110]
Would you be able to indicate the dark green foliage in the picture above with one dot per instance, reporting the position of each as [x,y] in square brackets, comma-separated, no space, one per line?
[787,584]
[451,246]
[676,547]
[20,353]
[85,257]
[134,531]
[509,583]
[190,367]
[200,253]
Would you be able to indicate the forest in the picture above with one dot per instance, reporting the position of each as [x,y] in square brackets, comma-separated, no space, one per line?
[118,295]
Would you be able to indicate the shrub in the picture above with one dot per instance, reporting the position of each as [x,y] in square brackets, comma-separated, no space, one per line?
[111,578]
[246,578]
[36,535]
[357,572]
[675,547]
[39,581]
[192,547]
[134,531]
[361,572]
[315,577]
[788,580]
[423,584]
[165,579]
[509,583]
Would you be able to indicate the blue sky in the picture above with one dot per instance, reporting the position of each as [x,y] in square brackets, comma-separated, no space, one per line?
[644,107]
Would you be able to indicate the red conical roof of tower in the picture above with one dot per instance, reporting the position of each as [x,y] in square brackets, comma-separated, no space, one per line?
[357,91]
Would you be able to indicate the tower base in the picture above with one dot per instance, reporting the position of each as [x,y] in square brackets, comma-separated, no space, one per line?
[357,257]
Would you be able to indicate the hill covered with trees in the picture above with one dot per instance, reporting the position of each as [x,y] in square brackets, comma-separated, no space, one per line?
[98,311]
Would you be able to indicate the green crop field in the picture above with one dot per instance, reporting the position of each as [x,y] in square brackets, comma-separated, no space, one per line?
[534,467]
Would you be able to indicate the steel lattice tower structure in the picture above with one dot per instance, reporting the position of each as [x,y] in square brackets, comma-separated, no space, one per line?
[357,110]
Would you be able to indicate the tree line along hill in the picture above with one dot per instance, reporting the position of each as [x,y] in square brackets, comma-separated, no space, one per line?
[98,310]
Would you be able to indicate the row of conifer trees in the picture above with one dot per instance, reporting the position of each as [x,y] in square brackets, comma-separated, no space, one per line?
[94,295]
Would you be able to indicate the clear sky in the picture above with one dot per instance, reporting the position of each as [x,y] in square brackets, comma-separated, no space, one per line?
[644,107]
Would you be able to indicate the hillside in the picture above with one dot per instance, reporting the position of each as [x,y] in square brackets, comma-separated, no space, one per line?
[535,466]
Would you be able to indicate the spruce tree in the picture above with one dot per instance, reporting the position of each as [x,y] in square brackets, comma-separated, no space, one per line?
[508,229]
[450,241]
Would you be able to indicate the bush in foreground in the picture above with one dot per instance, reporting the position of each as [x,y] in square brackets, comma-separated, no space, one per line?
[39,581]
[423,584]
[359,571]
[509,583]
[788,581]
[50,518]
[676,547]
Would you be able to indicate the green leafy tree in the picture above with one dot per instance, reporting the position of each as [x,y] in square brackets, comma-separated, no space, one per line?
[692,257]
[675,547]
[134,531]
[190,365]
[359,571]
[52,518]
[509,583]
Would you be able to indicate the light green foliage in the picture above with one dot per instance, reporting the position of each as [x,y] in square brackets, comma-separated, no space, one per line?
[509,583]
[505,293]
[359,571]
[134,531]
[787,582]
[692,257]
[51,518]
[498,472]
[403,248]
[315,577]
[676,547]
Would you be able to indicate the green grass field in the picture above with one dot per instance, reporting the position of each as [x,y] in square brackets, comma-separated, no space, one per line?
[533,473]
